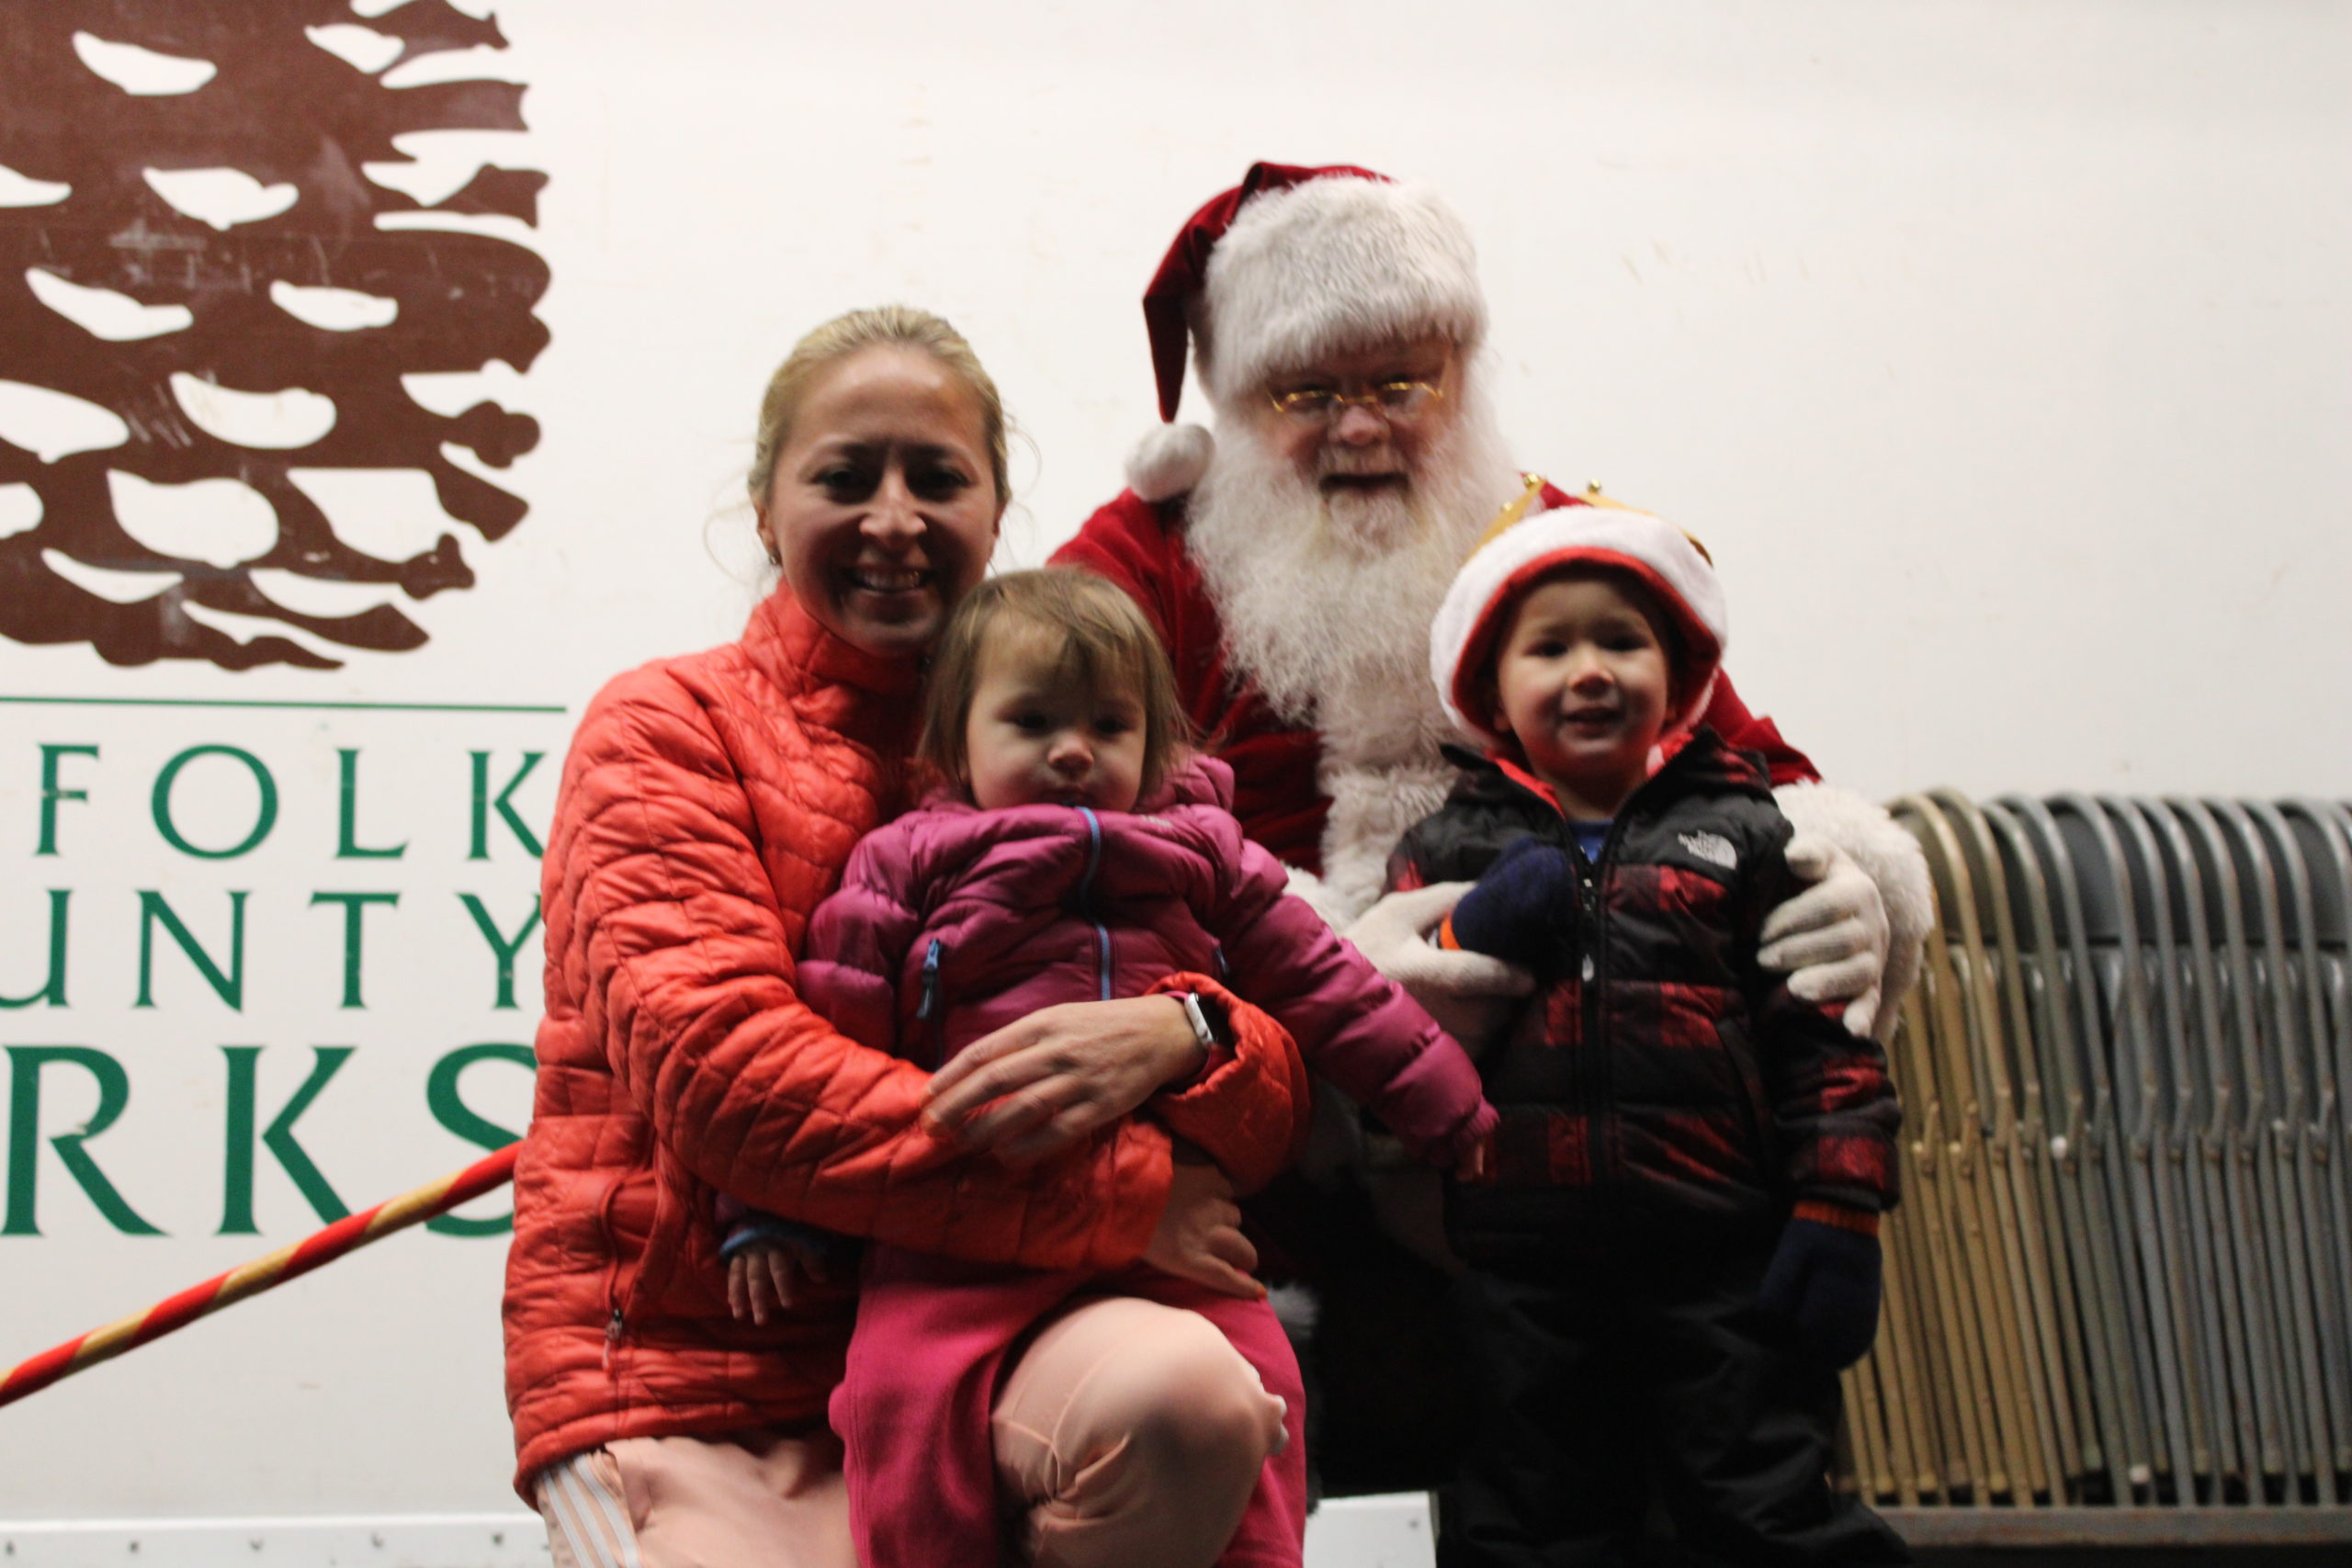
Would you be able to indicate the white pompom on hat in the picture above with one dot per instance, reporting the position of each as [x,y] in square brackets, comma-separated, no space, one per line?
[1170,461]
[1477,609]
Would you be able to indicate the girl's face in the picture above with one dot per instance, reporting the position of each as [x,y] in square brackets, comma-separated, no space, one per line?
[1034,736]
[883,512]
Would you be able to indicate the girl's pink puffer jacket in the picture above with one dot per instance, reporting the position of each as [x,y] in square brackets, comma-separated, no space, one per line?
[952,921]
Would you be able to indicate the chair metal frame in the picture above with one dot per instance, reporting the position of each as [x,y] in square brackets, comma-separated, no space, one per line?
[2009,1087]
[2122,1274]
[1928,1228]
[2116,974]
[2092,1363]
[2297,976]
[2240,1372]
[2094,1160]
[1970,1161]
[2260,1162]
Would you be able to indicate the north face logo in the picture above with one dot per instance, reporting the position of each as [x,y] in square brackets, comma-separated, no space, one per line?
[1713,848]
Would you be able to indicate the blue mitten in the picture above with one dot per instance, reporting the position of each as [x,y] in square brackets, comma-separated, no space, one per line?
[1522,909]
[1823,1282]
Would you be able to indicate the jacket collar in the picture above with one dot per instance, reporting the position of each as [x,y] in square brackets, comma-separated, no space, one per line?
[1701,761]
[829,682]
[1196,780]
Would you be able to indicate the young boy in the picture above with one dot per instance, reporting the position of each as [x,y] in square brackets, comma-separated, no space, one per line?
[1673,1247]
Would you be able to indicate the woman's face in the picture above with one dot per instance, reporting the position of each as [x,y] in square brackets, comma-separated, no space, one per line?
[883,511]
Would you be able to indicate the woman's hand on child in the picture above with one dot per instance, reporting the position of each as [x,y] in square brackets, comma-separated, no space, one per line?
[1199,1236]
[762,1273]
[1831,940]
[1037,1086]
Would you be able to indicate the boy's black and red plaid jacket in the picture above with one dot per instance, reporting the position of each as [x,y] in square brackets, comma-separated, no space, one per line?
[1658,1070]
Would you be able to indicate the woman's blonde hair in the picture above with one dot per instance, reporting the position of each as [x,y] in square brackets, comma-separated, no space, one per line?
[1105,642]
[883,326]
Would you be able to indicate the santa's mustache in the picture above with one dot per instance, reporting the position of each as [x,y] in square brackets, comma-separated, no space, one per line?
[1356,463]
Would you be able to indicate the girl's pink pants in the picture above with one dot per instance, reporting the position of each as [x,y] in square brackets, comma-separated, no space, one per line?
[1133,1420]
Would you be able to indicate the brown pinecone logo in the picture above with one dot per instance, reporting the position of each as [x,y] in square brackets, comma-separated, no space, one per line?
[225,296]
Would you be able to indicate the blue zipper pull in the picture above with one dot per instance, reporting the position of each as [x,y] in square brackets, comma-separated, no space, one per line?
[1093,853]
[1086,901]
[930,980]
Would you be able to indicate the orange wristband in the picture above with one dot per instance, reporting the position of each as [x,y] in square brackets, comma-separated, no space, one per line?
[1861,1221]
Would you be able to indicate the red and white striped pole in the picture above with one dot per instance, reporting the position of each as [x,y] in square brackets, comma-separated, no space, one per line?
[345,1236]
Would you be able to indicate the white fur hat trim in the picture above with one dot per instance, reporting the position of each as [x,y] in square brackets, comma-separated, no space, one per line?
[1334,263]
[1663,553]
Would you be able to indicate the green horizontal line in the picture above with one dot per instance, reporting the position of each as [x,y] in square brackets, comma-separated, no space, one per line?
[244,703]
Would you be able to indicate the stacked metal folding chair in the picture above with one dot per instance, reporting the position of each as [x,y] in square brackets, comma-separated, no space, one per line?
[2119,1287]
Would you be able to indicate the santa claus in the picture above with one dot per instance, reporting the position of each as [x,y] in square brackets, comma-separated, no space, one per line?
[1293,559]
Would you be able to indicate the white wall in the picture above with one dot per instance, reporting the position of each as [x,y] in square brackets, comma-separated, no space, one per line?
[1999,350]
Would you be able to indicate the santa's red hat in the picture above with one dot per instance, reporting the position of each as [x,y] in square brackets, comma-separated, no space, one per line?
[1477,610]
[1294,262]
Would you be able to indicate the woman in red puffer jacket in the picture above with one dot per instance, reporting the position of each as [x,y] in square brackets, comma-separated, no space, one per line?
[1079,851]
[709,804]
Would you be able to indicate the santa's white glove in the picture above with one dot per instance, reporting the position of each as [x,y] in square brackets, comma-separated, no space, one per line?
[1831,940]
[1469,993]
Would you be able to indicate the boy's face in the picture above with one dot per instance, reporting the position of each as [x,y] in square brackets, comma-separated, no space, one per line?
[1583,681]
[1032,736]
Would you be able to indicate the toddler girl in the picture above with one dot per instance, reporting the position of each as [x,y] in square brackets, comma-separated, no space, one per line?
[1078,853]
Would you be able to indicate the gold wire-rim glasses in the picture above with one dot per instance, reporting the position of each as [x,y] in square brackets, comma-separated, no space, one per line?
[1401,397]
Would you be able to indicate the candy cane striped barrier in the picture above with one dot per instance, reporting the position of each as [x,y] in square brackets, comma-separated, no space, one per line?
[345,1236]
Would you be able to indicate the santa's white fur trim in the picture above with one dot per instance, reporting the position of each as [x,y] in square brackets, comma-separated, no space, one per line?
[1663,553]
[1371,810]
[1334,263]
[1296,1308]
[1890,859]
[1303,884]
[1170,461]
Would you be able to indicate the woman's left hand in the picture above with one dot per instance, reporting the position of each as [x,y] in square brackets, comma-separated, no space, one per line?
[1034,1087]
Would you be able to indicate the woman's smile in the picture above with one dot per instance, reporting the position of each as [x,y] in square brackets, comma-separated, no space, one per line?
[879,579]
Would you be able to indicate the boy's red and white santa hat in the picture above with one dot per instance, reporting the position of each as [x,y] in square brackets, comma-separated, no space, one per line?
[1291,264]
[1468,631]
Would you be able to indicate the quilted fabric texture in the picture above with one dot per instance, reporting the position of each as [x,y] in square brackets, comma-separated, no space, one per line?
[709,804]
[952,921]
[1657,1074]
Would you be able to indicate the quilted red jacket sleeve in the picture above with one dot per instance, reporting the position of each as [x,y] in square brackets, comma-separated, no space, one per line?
[679,948]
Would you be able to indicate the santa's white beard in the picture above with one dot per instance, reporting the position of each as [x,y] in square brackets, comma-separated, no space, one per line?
[1327,602]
